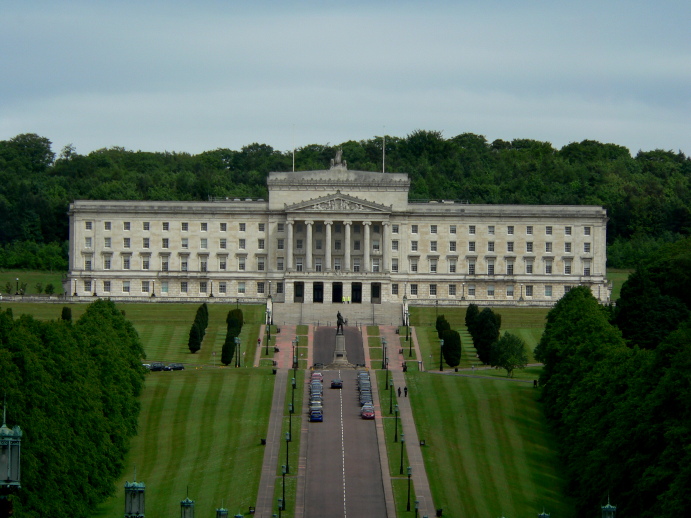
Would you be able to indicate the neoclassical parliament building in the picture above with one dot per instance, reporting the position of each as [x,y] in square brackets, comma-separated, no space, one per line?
[336,235]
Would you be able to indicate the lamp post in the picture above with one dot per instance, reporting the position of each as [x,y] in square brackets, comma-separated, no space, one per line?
[410,342]
[292,400]
[383,350]
[402,443]
[390,396]
[405,314]
[417,506]
[283,470]
[268,334]
[280,507]
[295,357]
[287,457]
[410,472]
[17,292]
[237,351]
[441,350]
[395,433]
[237,303]
[463,293]
[290,420]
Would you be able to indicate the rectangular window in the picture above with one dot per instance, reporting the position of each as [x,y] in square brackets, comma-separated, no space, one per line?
[567,289]
[261,227]
[241,264]
[223,244]
[471,229]
[202,287]
[241,287]
[222,265]
[490,291]
[490,268]
[356,245]
[432,289]
[107,225]
[586,248]
[106,264]
[433,246]
[145,242]
[548,291]
[490,246]
[413,246]
[394,245]
[241,244]
[318,228]
[224,227]
[452,290]
[567,248]
[203,265]
[375,265]
[87,264]
[183,287]
[280,244]
[433,229]
[509,246]
[509,268]
[337,244]
[204,227]
[586,231]
[529,247]
[183,266]
[279,287]
[394,265]
[356,265]
[145,264]
[375,229]
[279,264]
[165,243]
[88,226]
[185,226]
[126,286]
[490,230]
[145,287]
[164,286]
[548,247]
[394,289]
[413,289]
[471,246]
[529,230]
[243,227]
[452,246]
[126,225]
[528,291]
[260,288]
[164,264]
[567,268]
[185,243]
[298,265]
[548,267]
[413,229]
[280,227]
[529,268]
[548,230]
[87,242]
[106,286]
[567,231]
[471,268]
[166,225]
[146,225]
[261,244]
[126,263]
[433,266]
[337,265]
[375,245]
[222,287]
[509,230]
[126,242]
[452,266]
[261,262]
[413,265]
[317,265]
[471,290]
[319,245]
[298,244]
[452,229]
[586,269]
[394,229]
[509,291]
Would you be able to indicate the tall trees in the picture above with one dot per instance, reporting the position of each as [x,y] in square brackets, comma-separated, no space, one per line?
[509,353]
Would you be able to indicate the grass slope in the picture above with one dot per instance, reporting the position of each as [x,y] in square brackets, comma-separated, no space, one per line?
[489,452]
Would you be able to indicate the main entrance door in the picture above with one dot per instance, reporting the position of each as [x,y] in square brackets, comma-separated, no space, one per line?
[376,293]
[318,292]
[357,293]
[299,292]
[337,292]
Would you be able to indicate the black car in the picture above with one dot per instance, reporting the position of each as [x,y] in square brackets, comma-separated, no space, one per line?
[158,366]
[176,367]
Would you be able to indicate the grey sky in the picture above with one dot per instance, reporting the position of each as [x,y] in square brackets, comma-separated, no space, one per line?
[195,76]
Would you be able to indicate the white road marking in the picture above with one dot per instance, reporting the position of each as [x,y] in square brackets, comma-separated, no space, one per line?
[340,395]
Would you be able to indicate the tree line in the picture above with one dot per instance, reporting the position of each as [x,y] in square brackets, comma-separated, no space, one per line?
[73,388]
[647,196]
[616,386]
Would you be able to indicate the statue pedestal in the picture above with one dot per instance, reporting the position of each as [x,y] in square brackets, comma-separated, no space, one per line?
[340,358]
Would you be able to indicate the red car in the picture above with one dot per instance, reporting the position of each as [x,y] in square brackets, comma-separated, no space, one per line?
[317,376]
[367,412]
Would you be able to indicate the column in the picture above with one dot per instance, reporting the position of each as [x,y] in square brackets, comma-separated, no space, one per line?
[346,265]
[308,253]
[289,266]
[367,266]
[386,267]
[327,246]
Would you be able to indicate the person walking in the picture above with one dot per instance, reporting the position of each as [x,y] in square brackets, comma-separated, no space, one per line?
[399,391]
[405,389]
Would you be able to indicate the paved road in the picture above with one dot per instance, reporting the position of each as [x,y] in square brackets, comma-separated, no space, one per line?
[343,473]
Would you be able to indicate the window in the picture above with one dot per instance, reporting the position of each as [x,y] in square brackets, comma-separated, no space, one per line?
[126,242]
[204,227]
[356,245]
[452,266]
[164,286]
[529,268]
[337,265]
[279,287]
[394,265]
[183,266]
[490,268]
[298,244]
[260,288]
[185,243]
[548,230]
[452,246]
[298,265]
[107,225]
[413,229]
[87,242]
[88,225]
[413,289]
[490,246]
[165,243]
[126,286]
[166,225]
[356,265]
[567,289]
[567,248]
[471,268]
[490,230]
[548,267]
[145,242]
[261,261]
[241,244]
[471,229]
[281,227]
[509,230]
[183,287]
[106,263]
[126,263]
[318,228]
[185,226]
[243,227]
[202,287]
[146,225]
[394,230]
[548,291]
[318,265]
[509,268]
[567,231]
[586,231]
[279,264]
[337,244]
[433,246]
[164,264]
[375,229]
[452,290]
[394,245]
[261,227]
[145,287]
[413,265]
[432,289]
[529,230]
[87,264]
[222,265]
[319,245]
[241,264]
[126,225]
[548,247]
[433,229]
[145,264]
[471,290]
[375,265]
[490,291]
[203,265]
[586,269]
[241,287]
[413,246]
[261,244]
[567,268]
[452,229]
[586,248]
[528,291]
[224,227]
[529,247]
[509,291]
[222,287]
[280,244]
[471,246]
[106,286]
[509,246]
[394,289]
[223,244]
[433,266]
[375,245]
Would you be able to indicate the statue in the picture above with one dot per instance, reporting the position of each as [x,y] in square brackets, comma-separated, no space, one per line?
[339,323]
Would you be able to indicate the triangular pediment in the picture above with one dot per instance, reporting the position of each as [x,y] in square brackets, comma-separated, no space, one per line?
[338,203]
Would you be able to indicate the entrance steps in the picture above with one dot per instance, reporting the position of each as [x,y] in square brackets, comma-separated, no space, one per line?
[324,314]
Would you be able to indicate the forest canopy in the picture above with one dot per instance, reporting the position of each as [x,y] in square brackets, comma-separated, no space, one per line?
[647,196]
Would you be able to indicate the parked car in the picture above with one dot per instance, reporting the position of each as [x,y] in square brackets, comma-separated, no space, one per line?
[176,367]
[317,376]
[147,366]
[336,384]
[316,416]
[157,366]
[367,412]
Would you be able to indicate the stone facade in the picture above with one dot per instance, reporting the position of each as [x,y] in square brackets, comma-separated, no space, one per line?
[334,235]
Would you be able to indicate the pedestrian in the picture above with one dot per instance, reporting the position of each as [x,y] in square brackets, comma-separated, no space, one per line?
[405,390]
[399,391]
[259,342]
[534,383]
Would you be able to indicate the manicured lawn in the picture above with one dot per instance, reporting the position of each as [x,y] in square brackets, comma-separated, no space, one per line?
[199,429]
[488,449]
[31,278]
[618,277]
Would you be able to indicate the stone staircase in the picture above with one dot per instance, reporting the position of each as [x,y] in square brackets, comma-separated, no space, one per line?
[324,314]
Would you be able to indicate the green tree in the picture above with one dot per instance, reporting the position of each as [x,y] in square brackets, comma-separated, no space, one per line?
[66,314]
[452,347]
[486,331]
[442,325]
[39,288]
[194,342]
[50,289]
[509,353]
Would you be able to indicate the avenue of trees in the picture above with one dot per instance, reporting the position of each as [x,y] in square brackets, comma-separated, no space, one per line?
[198,329]
[73,388]
[647,196]
[617,386]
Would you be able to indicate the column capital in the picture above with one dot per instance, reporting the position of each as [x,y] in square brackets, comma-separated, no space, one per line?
[347,222]
[290,222]
[309,222]
[366,223]
[386,223]
[328,222]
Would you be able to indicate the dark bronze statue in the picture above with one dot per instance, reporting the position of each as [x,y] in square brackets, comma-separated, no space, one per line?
[339,323]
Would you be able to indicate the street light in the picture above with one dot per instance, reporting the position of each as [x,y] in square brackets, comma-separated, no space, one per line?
[410,343]
[237,351]
[268,330]
[290,420]
[441,350]
[402,443]
[410,472]
[417,506]
[283,470]
[395,433]
[280,507]
[383,348]
[406,316]
[295,358]
[17,292]
[287,458]
[390,396]
[292,400]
